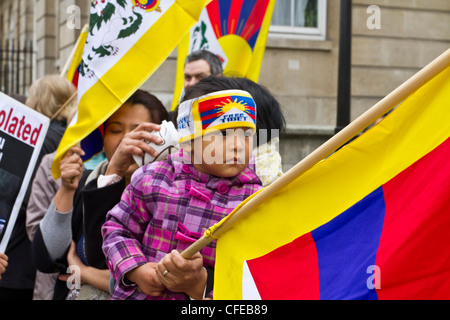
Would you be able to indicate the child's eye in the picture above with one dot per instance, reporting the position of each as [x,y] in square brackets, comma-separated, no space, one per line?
[245,134]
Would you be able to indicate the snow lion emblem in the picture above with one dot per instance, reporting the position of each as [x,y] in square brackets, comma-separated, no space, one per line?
[112,21]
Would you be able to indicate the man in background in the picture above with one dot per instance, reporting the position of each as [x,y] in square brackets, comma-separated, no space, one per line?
[201,64]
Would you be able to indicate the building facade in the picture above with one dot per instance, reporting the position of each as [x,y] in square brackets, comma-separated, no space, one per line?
[391,41]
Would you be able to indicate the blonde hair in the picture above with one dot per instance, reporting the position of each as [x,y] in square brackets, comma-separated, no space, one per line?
[49,93]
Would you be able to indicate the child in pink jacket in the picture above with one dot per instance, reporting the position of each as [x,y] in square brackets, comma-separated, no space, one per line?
[169,204]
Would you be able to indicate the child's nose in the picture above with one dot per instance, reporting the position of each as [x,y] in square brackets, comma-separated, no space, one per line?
[239,142]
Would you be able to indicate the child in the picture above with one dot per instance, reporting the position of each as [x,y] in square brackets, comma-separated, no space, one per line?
[169,204]
[270,125]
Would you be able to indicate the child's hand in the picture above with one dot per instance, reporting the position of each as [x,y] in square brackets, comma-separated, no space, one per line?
[183,275]
[146,279]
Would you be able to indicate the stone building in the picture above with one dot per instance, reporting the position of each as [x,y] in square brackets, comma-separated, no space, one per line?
[391,41]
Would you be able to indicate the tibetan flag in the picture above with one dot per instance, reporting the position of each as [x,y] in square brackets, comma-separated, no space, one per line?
[236,31]
[371,221]
[74,69]
[92,144]
[126,42]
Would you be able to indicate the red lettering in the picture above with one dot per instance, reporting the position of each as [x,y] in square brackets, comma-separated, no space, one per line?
[2,116]
[13,126]
[16,125]
[35,135]
[26,132]
[22,122]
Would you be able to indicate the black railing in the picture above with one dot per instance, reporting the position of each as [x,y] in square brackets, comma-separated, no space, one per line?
[16,66]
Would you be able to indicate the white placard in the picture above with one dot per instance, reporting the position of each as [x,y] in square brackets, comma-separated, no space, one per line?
[22,133]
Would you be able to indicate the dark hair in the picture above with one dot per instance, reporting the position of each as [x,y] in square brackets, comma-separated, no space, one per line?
[157,111]
[268,110]
[269,114]
[204,86]
[210,84]
[215,65]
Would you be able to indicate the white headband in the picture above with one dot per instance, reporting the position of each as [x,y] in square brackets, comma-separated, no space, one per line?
[218,110]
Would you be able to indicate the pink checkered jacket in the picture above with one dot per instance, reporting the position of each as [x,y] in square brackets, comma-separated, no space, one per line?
[168,205]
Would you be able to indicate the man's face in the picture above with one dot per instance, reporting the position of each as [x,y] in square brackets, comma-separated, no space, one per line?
[194,71]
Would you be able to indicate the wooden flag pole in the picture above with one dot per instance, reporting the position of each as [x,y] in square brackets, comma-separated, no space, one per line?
[330,146]
[73,96]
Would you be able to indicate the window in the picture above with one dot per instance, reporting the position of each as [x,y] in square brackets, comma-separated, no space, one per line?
[300,18]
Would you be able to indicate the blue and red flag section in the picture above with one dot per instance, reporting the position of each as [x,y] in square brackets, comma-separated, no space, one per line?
[242,18]
[392,244]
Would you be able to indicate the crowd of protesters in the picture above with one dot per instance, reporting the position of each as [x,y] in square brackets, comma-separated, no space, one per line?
[114,230]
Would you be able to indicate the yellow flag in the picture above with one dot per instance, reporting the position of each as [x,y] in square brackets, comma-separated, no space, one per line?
[72,74]
[370,221]
[127,41]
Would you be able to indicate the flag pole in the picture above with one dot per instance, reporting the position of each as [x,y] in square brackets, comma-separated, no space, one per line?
[61,108]
[330,146]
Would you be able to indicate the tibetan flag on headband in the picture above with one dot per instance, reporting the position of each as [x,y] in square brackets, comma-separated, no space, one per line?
[236,31]
[127,41]
[371,221]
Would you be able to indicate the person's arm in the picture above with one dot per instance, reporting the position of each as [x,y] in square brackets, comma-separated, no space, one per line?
[98,278]
[52,239]
[55,230]
[56,226]
[43,189]
[71,167]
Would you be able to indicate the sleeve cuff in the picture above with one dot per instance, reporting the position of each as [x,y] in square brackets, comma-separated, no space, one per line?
[104,181]
[120,269]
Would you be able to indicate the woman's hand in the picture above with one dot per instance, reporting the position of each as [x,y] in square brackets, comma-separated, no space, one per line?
[133,143]
[98,278]
[73,261]
[71,167]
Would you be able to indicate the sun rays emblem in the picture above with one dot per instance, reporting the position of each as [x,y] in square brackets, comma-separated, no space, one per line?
[222,109]
[227,105]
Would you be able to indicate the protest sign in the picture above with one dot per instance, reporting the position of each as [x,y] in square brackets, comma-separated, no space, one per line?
[22,132]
